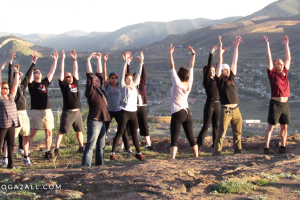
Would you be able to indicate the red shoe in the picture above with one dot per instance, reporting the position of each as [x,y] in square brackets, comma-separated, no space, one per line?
[140,156]
[112,157]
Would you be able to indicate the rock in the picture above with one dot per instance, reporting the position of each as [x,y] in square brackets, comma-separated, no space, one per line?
[267,157]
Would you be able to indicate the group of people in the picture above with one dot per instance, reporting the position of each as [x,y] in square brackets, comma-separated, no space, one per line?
[125,100]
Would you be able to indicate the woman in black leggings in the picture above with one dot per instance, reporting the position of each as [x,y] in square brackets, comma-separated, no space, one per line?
[182,86]
[211,111]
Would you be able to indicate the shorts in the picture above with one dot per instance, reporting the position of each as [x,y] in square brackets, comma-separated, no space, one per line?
[70,118]
[24,128]
[41,119]
[279,111]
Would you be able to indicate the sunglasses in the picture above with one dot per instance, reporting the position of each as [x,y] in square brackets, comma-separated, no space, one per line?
[68,77]
[5,88]
[37,72]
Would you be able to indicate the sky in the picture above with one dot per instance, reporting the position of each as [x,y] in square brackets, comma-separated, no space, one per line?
[59,16]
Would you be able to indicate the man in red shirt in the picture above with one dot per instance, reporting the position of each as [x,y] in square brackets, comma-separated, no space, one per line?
[279,109]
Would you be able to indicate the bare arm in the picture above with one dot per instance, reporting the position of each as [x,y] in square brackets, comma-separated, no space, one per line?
[220,57]
[127,58]
[16,81]
[75,65]
[269,56]
[236,43]
[99,65]
[2,67]
[88,63]
[287,53]
[62,66]
[30,72]
[192,62]
[105,58]
[53,67]
[137,78]
[171,50]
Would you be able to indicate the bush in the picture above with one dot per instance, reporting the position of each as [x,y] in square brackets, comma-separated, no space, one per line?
[233,187]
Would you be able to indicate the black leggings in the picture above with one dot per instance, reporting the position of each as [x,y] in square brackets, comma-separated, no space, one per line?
[143,121]
[116,115]
[182,117]
[130,119]
[211,114]
[8,134]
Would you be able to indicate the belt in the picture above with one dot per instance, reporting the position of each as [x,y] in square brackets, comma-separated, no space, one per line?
[230,108]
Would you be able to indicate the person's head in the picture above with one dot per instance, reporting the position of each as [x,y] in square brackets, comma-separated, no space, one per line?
[278,65]
[129,79]
[212,73]
[225,70]
[183,74]
[68,77]
[113,78]
[4,88]
[96,81]
[37,75]
[20,75]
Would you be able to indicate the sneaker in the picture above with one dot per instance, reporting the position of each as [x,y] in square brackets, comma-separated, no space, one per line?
[26,161]
[48,155]
[140,156]
[129,151]
[80,149]
[20,151]
[56,152]
[266,151]
[4,161]
[149,147]
[282,149]
[112,157]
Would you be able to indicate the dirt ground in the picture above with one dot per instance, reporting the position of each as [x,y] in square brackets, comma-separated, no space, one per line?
[154,178]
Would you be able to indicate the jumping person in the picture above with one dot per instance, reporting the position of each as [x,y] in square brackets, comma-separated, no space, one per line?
[71,115]
[98,114]
[113,93]
[41,113]
[211,112]
[8,115]
[181,115]
[128,105]
[279,109]
[230,112]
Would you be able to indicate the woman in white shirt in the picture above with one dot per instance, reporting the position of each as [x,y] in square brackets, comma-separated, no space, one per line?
[182,86]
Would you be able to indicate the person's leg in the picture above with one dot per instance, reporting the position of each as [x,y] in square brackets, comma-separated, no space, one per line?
[284,120]
[80,138]
[48,125]
[176,121]
[207,115]
[283,134]
[188,130]
[268,135]
[93,132]
[5,148]
[236,126]
[48,139]
[20,141]
[121,128]
[36,123]
[273,117]
[26,145]
[25,133]
[143,124]
[215,122]
[59,137]
[100,146]
[133,124]
[32,134]
[225,118]
[10,137]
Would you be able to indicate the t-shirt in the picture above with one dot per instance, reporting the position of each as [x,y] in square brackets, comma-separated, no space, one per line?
[279,82]
[114,97]
[227,89]
[71,94]
[39,94]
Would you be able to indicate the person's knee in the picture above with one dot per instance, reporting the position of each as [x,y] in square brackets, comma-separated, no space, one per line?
[48,132]
[283,127]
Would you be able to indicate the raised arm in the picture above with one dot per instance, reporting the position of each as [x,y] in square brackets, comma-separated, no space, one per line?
[206,76]
[171,50]
[29,74]
[235,43]
[62,66]
[105,58]
[99,65]
[137,78]
[88,63]
[16,81]
[287,52]
[126,57]
[53,67]
[269,56]
[10,70]
[192,62]
[220,57]
[75,64]
[2,67]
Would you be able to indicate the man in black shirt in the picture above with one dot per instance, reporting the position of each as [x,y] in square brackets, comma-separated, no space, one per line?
[41,113]
[71,115]
[230,112]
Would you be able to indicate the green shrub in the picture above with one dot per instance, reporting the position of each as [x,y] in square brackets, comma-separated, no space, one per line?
[233,187]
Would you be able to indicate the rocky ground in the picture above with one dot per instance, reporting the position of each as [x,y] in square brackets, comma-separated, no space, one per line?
[258,176]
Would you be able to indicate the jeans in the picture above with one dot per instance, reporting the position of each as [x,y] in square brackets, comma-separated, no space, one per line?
[95,137]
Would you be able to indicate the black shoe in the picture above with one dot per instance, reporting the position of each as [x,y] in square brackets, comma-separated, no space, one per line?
[282,150]
[149,147]
[140,156]
[48,155]
[266,151]
[56,152]
[80,149]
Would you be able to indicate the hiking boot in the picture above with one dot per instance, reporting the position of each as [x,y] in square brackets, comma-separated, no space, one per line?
[149,147]
[56,152]
[26,161]
[4,161]
[80,149]
[282,150]
[140,156]
[112,157]
[48,155]
[266,151]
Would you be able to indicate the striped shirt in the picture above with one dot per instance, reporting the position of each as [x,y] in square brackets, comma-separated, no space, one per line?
[8,112]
